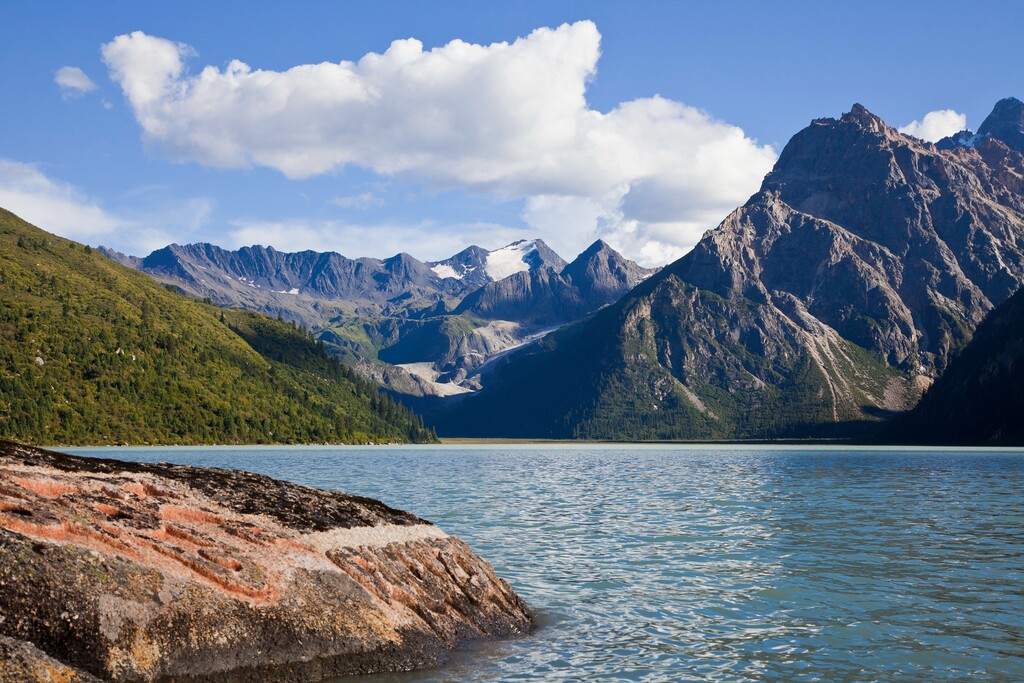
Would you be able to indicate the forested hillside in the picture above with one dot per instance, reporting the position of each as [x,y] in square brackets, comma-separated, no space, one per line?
[92,352]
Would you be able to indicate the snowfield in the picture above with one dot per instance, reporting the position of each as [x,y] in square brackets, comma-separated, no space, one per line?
[509,260]
[443,270]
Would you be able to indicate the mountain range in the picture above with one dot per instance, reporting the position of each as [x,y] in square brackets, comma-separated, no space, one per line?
[419,328]
[827,302]
[825,305]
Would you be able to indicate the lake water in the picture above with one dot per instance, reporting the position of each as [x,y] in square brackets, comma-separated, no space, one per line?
[667,563]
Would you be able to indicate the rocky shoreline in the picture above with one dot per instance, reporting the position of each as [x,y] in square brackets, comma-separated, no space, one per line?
[156,572]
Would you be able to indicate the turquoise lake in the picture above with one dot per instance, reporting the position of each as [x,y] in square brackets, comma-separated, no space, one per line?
[710,563]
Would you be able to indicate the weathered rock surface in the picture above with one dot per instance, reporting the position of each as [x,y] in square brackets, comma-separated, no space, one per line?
[22,662]
[1005,123]
[156,572]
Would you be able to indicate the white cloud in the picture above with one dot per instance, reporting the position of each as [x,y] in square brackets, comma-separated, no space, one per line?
[509,119]
[364,200]
[936,125]
[73,82]
[426,241]
[62,209]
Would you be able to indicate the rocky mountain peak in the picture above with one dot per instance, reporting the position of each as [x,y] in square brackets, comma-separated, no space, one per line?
[860,115]
[598,247]
[1006,123]
[521,256]
[830,298]
[602,274]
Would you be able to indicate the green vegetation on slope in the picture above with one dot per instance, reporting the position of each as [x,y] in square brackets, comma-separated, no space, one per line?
[94,353]
[669,362]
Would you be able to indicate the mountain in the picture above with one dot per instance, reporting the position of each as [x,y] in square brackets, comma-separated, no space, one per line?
[448,354]
[1005,123]
[979,399]
[415,327]
[475,267]
[826,302]
[550,296]
[92,352]
[469,266]
[312,287]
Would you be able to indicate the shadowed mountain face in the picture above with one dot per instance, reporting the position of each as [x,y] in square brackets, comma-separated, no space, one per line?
[980,398]
[866,260]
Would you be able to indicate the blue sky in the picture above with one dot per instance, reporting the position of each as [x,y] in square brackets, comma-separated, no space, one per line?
[641,123]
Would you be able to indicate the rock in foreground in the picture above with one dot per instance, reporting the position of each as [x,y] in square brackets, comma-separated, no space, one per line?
[157,572]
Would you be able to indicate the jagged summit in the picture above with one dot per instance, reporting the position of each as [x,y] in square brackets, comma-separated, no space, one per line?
[860,115]
[1005,124]
[549,294]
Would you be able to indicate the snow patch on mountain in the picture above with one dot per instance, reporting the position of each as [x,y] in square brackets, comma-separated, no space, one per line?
[443,270]
[510,260]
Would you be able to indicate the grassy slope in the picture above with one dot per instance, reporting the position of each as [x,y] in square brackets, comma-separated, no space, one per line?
[92,352]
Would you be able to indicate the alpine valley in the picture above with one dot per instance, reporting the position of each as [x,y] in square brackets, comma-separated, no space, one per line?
[822,307]
[417,328]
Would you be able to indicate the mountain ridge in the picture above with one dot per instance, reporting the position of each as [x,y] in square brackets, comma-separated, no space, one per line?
[831,298]
[380,314]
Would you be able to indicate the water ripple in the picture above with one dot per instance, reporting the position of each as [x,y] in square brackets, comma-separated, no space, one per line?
[713,564]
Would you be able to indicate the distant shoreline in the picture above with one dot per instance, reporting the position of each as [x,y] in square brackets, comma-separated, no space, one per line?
[465,441]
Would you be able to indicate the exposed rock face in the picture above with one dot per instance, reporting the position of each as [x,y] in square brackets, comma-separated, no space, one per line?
[979,399]
[138,572]
[1006,123]
[833,296]
[899,249]
[22,662]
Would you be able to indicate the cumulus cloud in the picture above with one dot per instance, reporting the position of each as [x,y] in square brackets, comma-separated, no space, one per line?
[63,209]
[936,125]
[73,82]
[509,119]
[426,240]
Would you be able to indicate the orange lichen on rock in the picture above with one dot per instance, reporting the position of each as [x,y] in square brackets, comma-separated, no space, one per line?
[47,488]
[178,513]
[296,583]
[108,510]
